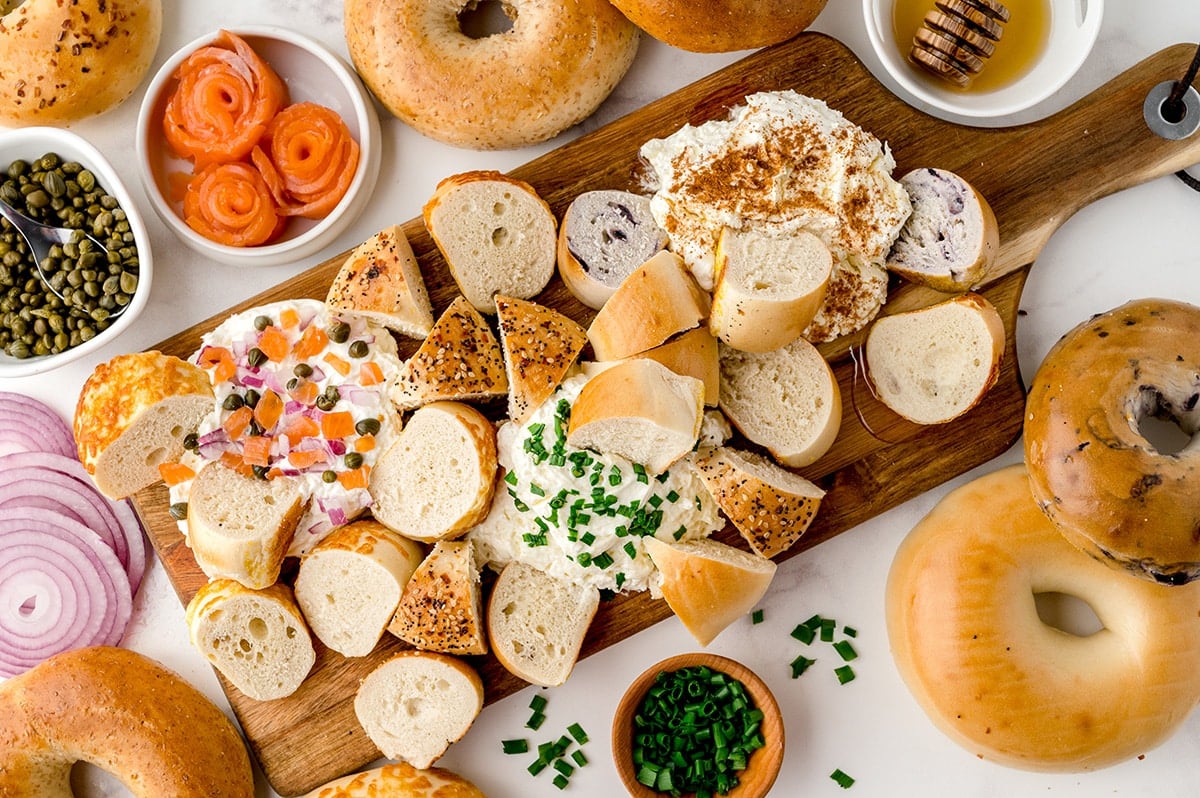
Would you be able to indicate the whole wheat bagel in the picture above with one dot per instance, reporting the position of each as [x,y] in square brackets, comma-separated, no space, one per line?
[720,26]
[61,62]
[125,714]
[551,69]
[968,640]
[1093,471]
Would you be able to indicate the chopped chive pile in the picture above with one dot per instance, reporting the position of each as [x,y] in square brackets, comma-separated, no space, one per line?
[551,754]
[694,731]
[756,617]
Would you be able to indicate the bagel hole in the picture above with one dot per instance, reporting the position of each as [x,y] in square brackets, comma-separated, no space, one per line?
[1067,613]
[87,779]
[1164,434]
[484,18]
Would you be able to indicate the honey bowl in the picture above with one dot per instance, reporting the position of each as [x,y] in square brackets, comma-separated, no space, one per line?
[1043,44]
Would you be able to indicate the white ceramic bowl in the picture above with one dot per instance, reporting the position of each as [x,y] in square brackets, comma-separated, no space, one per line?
[1074,25]
[311,72]
[33,142]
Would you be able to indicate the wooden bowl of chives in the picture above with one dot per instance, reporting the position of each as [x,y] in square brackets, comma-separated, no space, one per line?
[763,766]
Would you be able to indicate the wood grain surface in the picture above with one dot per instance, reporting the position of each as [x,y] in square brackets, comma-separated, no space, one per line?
[1035,177]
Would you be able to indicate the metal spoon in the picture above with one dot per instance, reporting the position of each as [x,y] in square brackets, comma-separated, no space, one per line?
[40,237]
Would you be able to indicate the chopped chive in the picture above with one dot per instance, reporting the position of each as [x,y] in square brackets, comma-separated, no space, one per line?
[619,580]
[639,471]
[673,496]
[845,650]
[564,767]
[804,634]
[518,746]
[535,720]
[800,664]
[844,674]
[756,617]
[827,627]
[536,489]
[578,756]
[537,766]
[511,477]
[602,560]
[578,733]
[538,702]
[679,533]
[849,631]
[560,781]
[843,780]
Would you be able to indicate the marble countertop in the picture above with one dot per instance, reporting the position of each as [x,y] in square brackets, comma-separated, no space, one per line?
[1141,242]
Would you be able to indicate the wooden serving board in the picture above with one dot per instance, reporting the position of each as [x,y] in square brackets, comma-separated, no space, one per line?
[1035,176]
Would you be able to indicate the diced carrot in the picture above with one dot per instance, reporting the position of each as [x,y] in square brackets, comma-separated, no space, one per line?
[307,457]
[238,422]
[234,461]
[298,427]
[337,425]
[175,473]
[304,391]
[268,410]
[340,366]
[311,342]
[274,343]
[370,373]
[354,479]
[289,318]
[256,450]
[364,443]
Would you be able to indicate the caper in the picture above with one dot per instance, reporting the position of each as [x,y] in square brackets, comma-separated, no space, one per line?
[178,511]
[17,168]
[329,476]
[303,370]
[359,349]
[259,471]
[368,426]
[292,384]
[37,199]
[339,332]
[86,180]
[252,397]
[256,357]
[54,184]
[233,402]
[332,392]
[353,460]
[325,403]
[191,441]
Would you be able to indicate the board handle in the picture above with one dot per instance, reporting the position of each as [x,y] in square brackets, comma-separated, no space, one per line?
[1038,175]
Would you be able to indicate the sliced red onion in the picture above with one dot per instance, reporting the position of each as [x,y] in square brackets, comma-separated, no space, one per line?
[25,417]
[133,542]
[61,588]
[251,380]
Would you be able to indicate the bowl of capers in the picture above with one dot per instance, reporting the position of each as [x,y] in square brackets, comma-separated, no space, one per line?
[92,278]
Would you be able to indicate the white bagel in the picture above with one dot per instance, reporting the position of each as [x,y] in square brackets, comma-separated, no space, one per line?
[125,714]
[63,62]
[1093,472]
[967,639]
[550,70]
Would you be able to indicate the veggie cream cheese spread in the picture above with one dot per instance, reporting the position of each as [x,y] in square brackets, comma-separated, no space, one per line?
[301,393]
[782,163]
[580,515]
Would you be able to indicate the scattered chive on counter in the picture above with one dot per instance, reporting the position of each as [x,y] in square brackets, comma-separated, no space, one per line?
[694,730]
[824,629]
[552,753]
[843,780]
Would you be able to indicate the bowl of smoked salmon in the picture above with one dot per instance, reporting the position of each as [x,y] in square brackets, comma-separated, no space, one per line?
[257,146]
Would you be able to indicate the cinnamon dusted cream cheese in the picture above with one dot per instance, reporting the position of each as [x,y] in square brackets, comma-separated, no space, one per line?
[780,163]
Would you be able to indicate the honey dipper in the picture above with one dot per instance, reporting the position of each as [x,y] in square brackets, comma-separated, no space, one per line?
[957,37]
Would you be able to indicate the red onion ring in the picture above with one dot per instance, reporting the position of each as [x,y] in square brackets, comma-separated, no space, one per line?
[133,542]
[48,559]
[28,421]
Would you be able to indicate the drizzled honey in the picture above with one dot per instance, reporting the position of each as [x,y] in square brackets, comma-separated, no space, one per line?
[1025,37]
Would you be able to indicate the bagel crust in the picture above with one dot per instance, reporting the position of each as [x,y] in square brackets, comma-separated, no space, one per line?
[125,714]
[1092,471]
[550,70]
[61,62]
[967,639]
[721,26]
